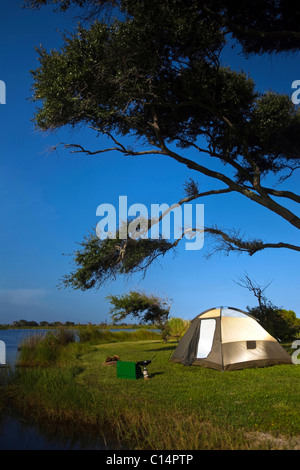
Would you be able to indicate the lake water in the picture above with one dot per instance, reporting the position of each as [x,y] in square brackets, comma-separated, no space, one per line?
[19,433]
[12,339]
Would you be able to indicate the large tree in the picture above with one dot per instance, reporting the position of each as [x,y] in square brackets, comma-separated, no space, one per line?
[153,71]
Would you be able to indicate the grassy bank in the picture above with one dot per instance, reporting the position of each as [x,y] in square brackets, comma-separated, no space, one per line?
[41,350]
[178,408]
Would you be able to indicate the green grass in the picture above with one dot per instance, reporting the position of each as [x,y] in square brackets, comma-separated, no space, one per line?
[177,408]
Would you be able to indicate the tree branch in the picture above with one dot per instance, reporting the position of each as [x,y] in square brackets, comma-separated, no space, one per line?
[232,242]
[261,195]
[247,283]
[292,169]
[262,198]
[189,199]
[274,192]
[286,194]
[80,149]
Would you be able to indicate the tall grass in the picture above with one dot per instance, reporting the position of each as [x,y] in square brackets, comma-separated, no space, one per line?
[44,350]
[94,335]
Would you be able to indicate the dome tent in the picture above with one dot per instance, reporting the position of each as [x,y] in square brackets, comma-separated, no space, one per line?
[227,338]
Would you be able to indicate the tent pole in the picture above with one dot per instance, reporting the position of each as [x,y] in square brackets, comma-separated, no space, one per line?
[221,338]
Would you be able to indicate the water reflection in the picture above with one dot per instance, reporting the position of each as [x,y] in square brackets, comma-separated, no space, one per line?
[19,433]
[16,433]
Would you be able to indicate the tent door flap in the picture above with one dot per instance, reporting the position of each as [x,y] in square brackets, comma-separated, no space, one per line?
[207,332]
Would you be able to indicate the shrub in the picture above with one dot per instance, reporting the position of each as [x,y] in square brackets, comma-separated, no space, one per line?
[177,327]
[282,324]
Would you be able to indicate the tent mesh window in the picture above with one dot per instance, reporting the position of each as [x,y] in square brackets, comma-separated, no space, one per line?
[251,344]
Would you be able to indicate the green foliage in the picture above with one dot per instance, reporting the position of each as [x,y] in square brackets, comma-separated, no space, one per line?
[110,76]
[274,130]
[100,261]
[162,61]
[274,28]
[62,4]
[25,324]
[143,307]
[177,326]
[291,327]
[154,72]
[280,323]
[114,77]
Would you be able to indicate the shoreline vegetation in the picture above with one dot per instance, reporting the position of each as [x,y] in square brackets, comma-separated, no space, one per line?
[31,325]
[64,383]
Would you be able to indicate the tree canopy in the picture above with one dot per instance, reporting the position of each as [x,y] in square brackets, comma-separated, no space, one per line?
[260,25]
[145,308]
[100,261]
[153,71]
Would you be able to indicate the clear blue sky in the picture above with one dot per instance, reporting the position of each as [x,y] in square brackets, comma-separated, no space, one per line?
[49,201]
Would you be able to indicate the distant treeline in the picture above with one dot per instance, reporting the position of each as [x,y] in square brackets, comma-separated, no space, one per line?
[69,324]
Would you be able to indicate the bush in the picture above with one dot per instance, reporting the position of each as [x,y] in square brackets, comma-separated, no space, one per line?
[282,324]
[177,327]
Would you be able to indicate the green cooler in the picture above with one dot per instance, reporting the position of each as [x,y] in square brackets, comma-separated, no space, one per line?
[128,370]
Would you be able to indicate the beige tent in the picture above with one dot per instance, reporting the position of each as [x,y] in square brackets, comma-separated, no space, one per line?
[228,339]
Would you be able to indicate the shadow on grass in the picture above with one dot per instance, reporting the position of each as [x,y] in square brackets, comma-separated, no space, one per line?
[154,374]
[168,348]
